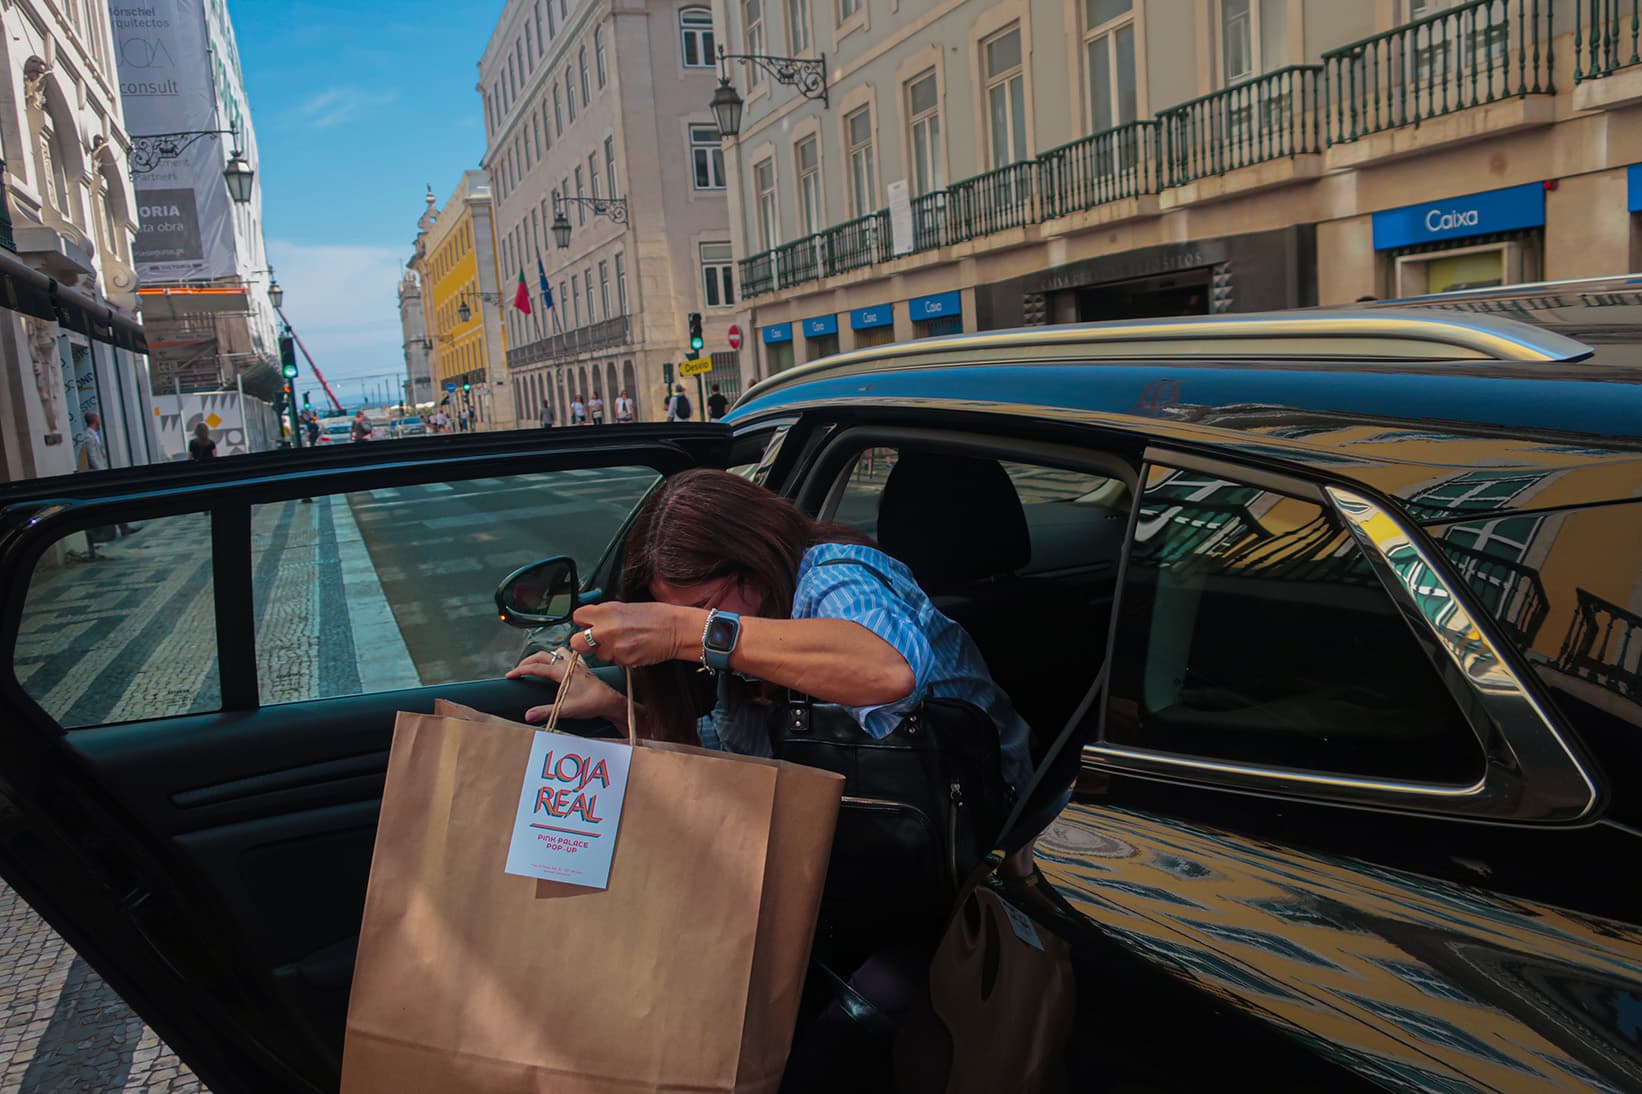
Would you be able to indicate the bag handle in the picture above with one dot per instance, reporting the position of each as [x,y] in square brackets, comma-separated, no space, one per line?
[573,662]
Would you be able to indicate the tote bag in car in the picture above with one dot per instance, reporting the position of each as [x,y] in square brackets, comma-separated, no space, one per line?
[684,974]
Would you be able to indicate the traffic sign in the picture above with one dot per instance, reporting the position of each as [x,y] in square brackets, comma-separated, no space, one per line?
[735,337]
[696,367]
[450,385]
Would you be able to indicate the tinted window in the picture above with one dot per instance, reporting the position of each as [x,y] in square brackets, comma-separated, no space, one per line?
[1252,629]
[120,628]
[394,588]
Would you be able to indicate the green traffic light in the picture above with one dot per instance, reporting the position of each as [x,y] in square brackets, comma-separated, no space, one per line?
[467,387]
[695,345]
[289,371]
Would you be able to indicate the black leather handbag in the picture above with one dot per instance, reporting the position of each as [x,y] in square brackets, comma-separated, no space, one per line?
[921,807]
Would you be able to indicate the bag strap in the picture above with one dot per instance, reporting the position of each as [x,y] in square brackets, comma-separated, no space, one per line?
[1055,749]
[573,662]
[800,697]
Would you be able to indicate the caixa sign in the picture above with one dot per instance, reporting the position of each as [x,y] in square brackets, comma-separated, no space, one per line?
[1507,210]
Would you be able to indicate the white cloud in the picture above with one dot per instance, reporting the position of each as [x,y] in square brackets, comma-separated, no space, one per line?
[342,103]
[342,300]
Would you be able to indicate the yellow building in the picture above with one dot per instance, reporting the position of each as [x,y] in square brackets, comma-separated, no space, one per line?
[456,258]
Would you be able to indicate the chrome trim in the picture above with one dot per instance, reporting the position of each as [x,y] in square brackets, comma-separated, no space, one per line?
[1407,334]
[1531,773]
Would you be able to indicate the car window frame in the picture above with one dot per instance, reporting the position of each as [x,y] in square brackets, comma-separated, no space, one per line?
[229,494]
[1535,772]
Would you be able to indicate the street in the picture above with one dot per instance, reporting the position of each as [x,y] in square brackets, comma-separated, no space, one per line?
[371,591]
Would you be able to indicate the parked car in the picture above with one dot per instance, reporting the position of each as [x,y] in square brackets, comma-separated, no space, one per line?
[335,430]
[408,427]
[1344,610]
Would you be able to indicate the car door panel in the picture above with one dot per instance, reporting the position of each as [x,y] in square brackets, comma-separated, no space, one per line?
[212,866]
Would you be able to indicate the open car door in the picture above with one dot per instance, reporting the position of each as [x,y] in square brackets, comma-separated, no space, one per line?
[198,713]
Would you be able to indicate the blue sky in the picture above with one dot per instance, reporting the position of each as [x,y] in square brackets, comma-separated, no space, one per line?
[357,107]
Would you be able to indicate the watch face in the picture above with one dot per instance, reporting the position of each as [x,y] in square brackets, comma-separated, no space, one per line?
[720,634]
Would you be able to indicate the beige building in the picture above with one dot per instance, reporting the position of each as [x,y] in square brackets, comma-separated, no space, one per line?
[597,110]
[70,343]
[981,164]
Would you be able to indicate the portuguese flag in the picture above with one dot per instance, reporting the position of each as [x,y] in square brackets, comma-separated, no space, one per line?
[521,295]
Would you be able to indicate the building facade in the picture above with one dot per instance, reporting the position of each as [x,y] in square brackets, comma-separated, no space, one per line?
[455,264]
[598,109]
[70,343]
[418,344]
[988,164]
[200,254]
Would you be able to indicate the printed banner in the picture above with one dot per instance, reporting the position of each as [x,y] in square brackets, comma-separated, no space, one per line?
[253,427]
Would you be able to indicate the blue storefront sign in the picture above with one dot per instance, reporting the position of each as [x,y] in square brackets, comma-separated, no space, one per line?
[1633,182]
[1507,210]
[879,315]
[777,332]
[939,306]
[820,326]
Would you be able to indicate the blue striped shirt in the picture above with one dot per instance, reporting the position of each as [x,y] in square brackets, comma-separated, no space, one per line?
[945,662]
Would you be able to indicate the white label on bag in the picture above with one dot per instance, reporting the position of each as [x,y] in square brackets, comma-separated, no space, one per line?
[569,810]
[1021,924]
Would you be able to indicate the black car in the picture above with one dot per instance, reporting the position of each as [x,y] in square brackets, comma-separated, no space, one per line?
[1355,596]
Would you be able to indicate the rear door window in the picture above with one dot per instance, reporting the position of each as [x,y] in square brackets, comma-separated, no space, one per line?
[1252,629]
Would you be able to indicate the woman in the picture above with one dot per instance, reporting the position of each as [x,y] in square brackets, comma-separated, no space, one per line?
[817,608]
[202,447]
[624,408]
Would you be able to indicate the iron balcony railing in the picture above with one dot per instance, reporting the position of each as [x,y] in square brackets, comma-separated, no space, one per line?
[1512,592]
[1118,163]
[929,221]
[998,200]
[1604,645]
[1605,36]
[757,274]
[856,244]
[1267,118]
[615,331]
[1475,53]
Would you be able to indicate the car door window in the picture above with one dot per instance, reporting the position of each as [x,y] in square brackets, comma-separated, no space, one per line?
[394,588]
[1251,628]
[119,624]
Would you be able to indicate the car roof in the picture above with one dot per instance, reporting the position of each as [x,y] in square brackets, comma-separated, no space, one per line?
[1469,383]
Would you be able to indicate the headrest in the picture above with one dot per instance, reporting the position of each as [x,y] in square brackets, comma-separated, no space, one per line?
[952,519]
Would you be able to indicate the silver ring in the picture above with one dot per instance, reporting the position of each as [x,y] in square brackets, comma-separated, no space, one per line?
[587,636]
[555,657]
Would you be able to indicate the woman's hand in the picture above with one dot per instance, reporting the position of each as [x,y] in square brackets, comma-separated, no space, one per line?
[588,697]
[635,635]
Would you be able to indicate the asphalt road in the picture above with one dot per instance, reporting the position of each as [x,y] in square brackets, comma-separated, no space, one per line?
[439,551]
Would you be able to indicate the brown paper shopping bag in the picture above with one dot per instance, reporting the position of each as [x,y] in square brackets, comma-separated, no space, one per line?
[683,975]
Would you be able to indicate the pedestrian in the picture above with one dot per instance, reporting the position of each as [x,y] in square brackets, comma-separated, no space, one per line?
[92,455]
[462,421]
[578,410]
[311,424]
[595,409]
[624,408]
[546,415]
[361,429]
[717,404]
[202,447]
[678,405]
[439,422]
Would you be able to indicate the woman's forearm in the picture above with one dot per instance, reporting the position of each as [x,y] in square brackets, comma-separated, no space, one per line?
[833,660]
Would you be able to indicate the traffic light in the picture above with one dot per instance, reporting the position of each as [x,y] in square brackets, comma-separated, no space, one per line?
[466,387]
[287,356]
[695,333]
[667,372]
[307,402]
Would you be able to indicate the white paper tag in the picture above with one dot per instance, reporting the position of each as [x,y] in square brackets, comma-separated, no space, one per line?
[1021,924]
[569,810]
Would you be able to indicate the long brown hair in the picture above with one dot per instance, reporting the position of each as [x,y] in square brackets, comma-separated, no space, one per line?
[700,526]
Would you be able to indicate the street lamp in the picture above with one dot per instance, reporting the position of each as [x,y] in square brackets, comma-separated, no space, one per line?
[614,208]
[807,74]
[463,312]
[276,295]
[150,150]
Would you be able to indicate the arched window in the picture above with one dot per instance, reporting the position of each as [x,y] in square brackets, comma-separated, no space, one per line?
[695,27]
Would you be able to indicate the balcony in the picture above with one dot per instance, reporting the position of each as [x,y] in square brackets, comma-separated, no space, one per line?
[1604,646]
[1270,117]
[615,331]
[1605,37]
[1106,167]
[1486,51]
[1607,58]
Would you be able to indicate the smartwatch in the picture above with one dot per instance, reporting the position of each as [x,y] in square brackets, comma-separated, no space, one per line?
[718,639]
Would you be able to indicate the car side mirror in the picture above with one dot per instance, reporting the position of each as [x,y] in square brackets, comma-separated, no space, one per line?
[539,595]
